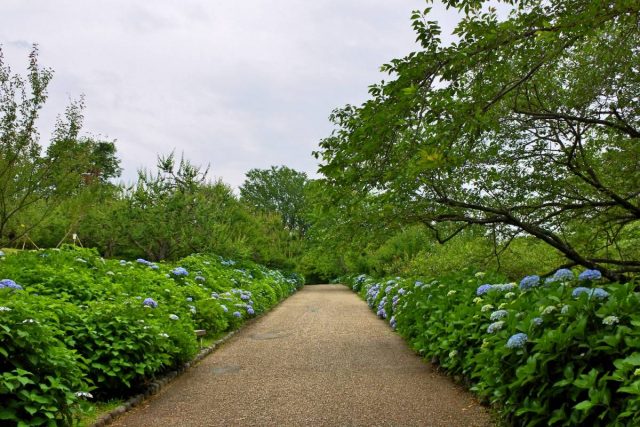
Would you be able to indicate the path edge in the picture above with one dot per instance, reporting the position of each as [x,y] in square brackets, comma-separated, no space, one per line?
[160,383]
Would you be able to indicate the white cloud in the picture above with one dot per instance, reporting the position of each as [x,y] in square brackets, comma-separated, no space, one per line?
[238,85]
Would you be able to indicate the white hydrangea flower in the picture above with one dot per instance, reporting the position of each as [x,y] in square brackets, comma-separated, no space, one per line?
[486,307]
[84,394]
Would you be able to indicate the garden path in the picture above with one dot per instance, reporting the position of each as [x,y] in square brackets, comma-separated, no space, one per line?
[319,358]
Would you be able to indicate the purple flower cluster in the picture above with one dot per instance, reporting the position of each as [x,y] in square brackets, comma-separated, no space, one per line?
[143,262]
[590,275]
[517,341]
[483,289]
[8,283]
[529,282]
[393,323]
[179,271]
[150,302]
[381,311]
[596,293]
[394,301]
[372,294]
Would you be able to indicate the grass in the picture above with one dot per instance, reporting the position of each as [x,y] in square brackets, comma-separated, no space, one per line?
[89,412]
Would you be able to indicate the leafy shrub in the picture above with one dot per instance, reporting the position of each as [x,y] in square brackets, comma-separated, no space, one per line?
[118,324]
[560,351]
[39,375]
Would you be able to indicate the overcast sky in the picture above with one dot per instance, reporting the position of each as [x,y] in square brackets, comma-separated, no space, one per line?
[234,84]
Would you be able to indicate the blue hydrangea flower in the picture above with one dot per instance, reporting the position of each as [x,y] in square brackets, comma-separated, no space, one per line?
[590,275]
[123,262]
[372,294]
[179,271]
[498,314]
[483,289]
[153,267]
[418,284]
[237,314]
[393,323]
[537,321]
[143,261]
[245,297]
[8,283]
[495,327]
[382,313]
[388,289]
[224,308]
[517,341]
[199,279]
[505,287]
[394,301]
[250,311]
[579,291]
[401,291]
[150,302]
[563,274]
[529,282]
[599,293]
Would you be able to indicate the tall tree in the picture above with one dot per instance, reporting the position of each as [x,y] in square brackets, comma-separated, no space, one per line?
[524,125]
[27,175]
[278,189]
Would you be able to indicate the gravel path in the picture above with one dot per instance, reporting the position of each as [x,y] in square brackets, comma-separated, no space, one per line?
[320,358]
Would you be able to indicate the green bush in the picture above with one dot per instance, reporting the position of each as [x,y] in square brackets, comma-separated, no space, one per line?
[118,324]
[543,353]
[39,374]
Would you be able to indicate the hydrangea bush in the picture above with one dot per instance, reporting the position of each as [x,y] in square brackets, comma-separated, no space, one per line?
[73,324]
[562,350]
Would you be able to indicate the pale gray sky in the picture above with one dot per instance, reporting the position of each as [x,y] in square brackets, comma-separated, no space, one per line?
[235,84]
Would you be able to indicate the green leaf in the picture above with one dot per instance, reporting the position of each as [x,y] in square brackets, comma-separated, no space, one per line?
[584,405]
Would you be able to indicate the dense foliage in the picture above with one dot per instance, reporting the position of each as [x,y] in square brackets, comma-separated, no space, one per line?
[73,324]
[564,350]
[278,189]
[527,125]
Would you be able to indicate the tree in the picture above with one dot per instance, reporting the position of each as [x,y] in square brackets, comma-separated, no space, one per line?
[525,125]
[29,177]
[278,189]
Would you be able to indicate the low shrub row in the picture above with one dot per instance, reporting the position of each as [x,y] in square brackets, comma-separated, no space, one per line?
[74,325]
[560,351]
